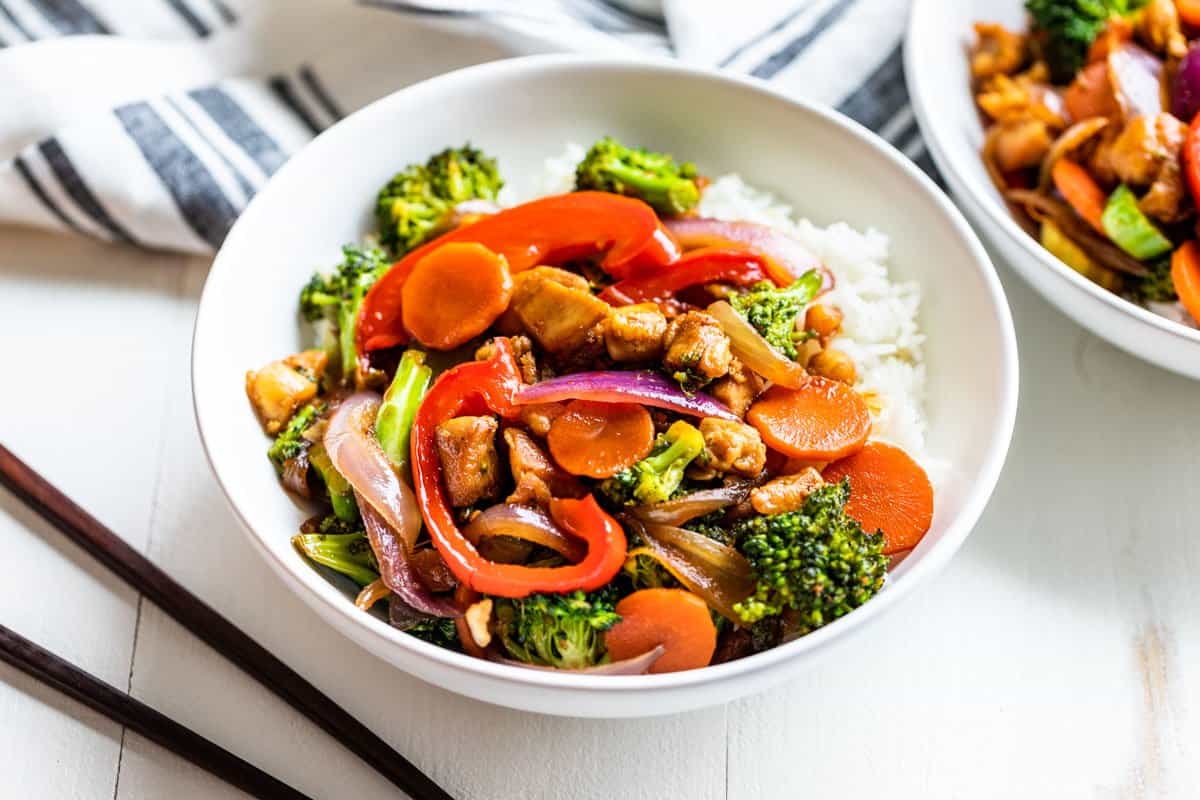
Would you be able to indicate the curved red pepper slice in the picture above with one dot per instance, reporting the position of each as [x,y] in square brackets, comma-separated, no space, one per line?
[556,228]
[482,387]
[695,267]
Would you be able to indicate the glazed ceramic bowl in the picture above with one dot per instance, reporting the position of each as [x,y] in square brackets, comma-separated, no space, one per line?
[935,62]
[522,111]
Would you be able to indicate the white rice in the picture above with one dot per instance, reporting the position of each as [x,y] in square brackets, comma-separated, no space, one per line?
[880,331]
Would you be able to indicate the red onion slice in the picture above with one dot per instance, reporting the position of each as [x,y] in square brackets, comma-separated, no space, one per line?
[638,665]
[717,573]
[754,351]
[687,508]
[396,570]
[1136,76]
[787,259]
[525,523]
[611,386]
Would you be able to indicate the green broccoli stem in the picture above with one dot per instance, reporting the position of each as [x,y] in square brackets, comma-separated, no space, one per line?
[341,495]
[347,336]
[393,423]
[347,553]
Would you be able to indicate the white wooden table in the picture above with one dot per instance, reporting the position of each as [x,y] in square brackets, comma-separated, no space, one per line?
[1058,655]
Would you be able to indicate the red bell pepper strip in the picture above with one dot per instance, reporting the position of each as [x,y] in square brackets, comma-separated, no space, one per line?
[552,229]
[706,265]
[489,387]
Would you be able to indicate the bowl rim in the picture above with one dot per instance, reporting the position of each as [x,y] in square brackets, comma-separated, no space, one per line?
[982,195]
[333,601]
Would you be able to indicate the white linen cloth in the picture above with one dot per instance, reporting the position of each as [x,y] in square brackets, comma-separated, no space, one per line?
[153,122]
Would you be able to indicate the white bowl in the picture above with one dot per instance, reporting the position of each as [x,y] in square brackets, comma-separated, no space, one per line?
[935,61]
[523,111]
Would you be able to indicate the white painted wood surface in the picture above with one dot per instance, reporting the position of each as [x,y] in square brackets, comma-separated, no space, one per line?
[1058,655]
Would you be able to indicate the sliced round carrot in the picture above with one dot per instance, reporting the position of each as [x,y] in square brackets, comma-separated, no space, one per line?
[823,420]
[454,294]
[889,492]
[1080,190]
[1185,274]
[599,440]
[676,619]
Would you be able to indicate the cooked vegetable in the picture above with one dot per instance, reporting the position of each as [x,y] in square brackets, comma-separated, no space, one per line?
[415,203]
[341,495]
[1060,245]
[527,524]
[1136,78]
[1185,99]
[609,166]
[754,351]
[822,420]
[713,570]
[291,442]
[688,507]
[1185,273]
[492,385]
[1071,139]
[349,554]
[647,388]
[338,297]
[1067,29]
[1157,286]
[600,439]
[546,230]
[1097,247]
[1078,188]
[817,562]
[1126,225]
[773,312]
[454,294]
[557,630]
[656,477]
[440,631]
[785,257]
[675,619]
[695,268]
[393,423]
[1189,12]
[889,492]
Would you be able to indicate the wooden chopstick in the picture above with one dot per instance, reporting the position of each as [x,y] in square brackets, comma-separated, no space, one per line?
[120,707]
[202,620]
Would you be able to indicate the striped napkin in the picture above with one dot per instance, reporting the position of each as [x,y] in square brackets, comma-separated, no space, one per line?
[153,122]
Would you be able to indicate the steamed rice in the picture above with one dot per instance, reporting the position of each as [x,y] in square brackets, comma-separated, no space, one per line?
[880,331]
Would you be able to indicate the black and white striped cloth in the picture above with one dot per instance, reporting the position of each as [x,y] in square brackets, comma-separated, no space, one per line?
[157,120]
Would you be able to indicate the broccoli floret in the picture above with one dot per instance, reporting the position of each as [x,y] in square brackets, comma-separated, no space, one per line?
[291,442]
[557,630]
[656,477]
[414,204]
[439,631]
[337,298]
[773,311]
[1157,286]
[669,188]
[1067,29]
[645,572]
[347,553]
[816,561]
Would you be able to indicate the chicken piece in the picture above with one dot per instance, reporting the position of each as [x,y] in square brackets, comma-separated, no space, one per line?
[559,317]
[509,324]
[787,493]
[997,51]
[587,353]
[738,389]
[697,349]
[1168,199]
[1030,94]
[280,388]
[1021,143]
[730,447]
[539,416]
[1157,26]
[635,333]
[467,451]
[523,352]
[1137,154]
[537,478]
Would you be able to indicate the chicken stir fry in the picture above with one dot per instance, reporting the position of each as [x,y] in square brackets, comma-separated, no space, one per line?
[1088,117]
[626,462]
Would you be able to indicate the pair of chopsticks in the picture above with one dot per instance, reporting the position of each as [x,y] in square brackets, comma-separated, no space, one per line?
[198,617]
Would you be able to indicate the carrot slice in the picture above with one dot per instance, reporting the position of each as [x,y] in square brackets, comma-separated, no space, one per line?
[1189,12]
[676,619]
[823,420]
[1117,31]
[1091,93]
[1076,184]
[888,492]
[454,294]
[600,439]
[1185,274]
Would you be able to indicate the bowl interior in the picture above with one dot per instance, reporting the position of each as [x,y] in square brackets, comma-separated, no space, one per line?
[939,36]
[523,111]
